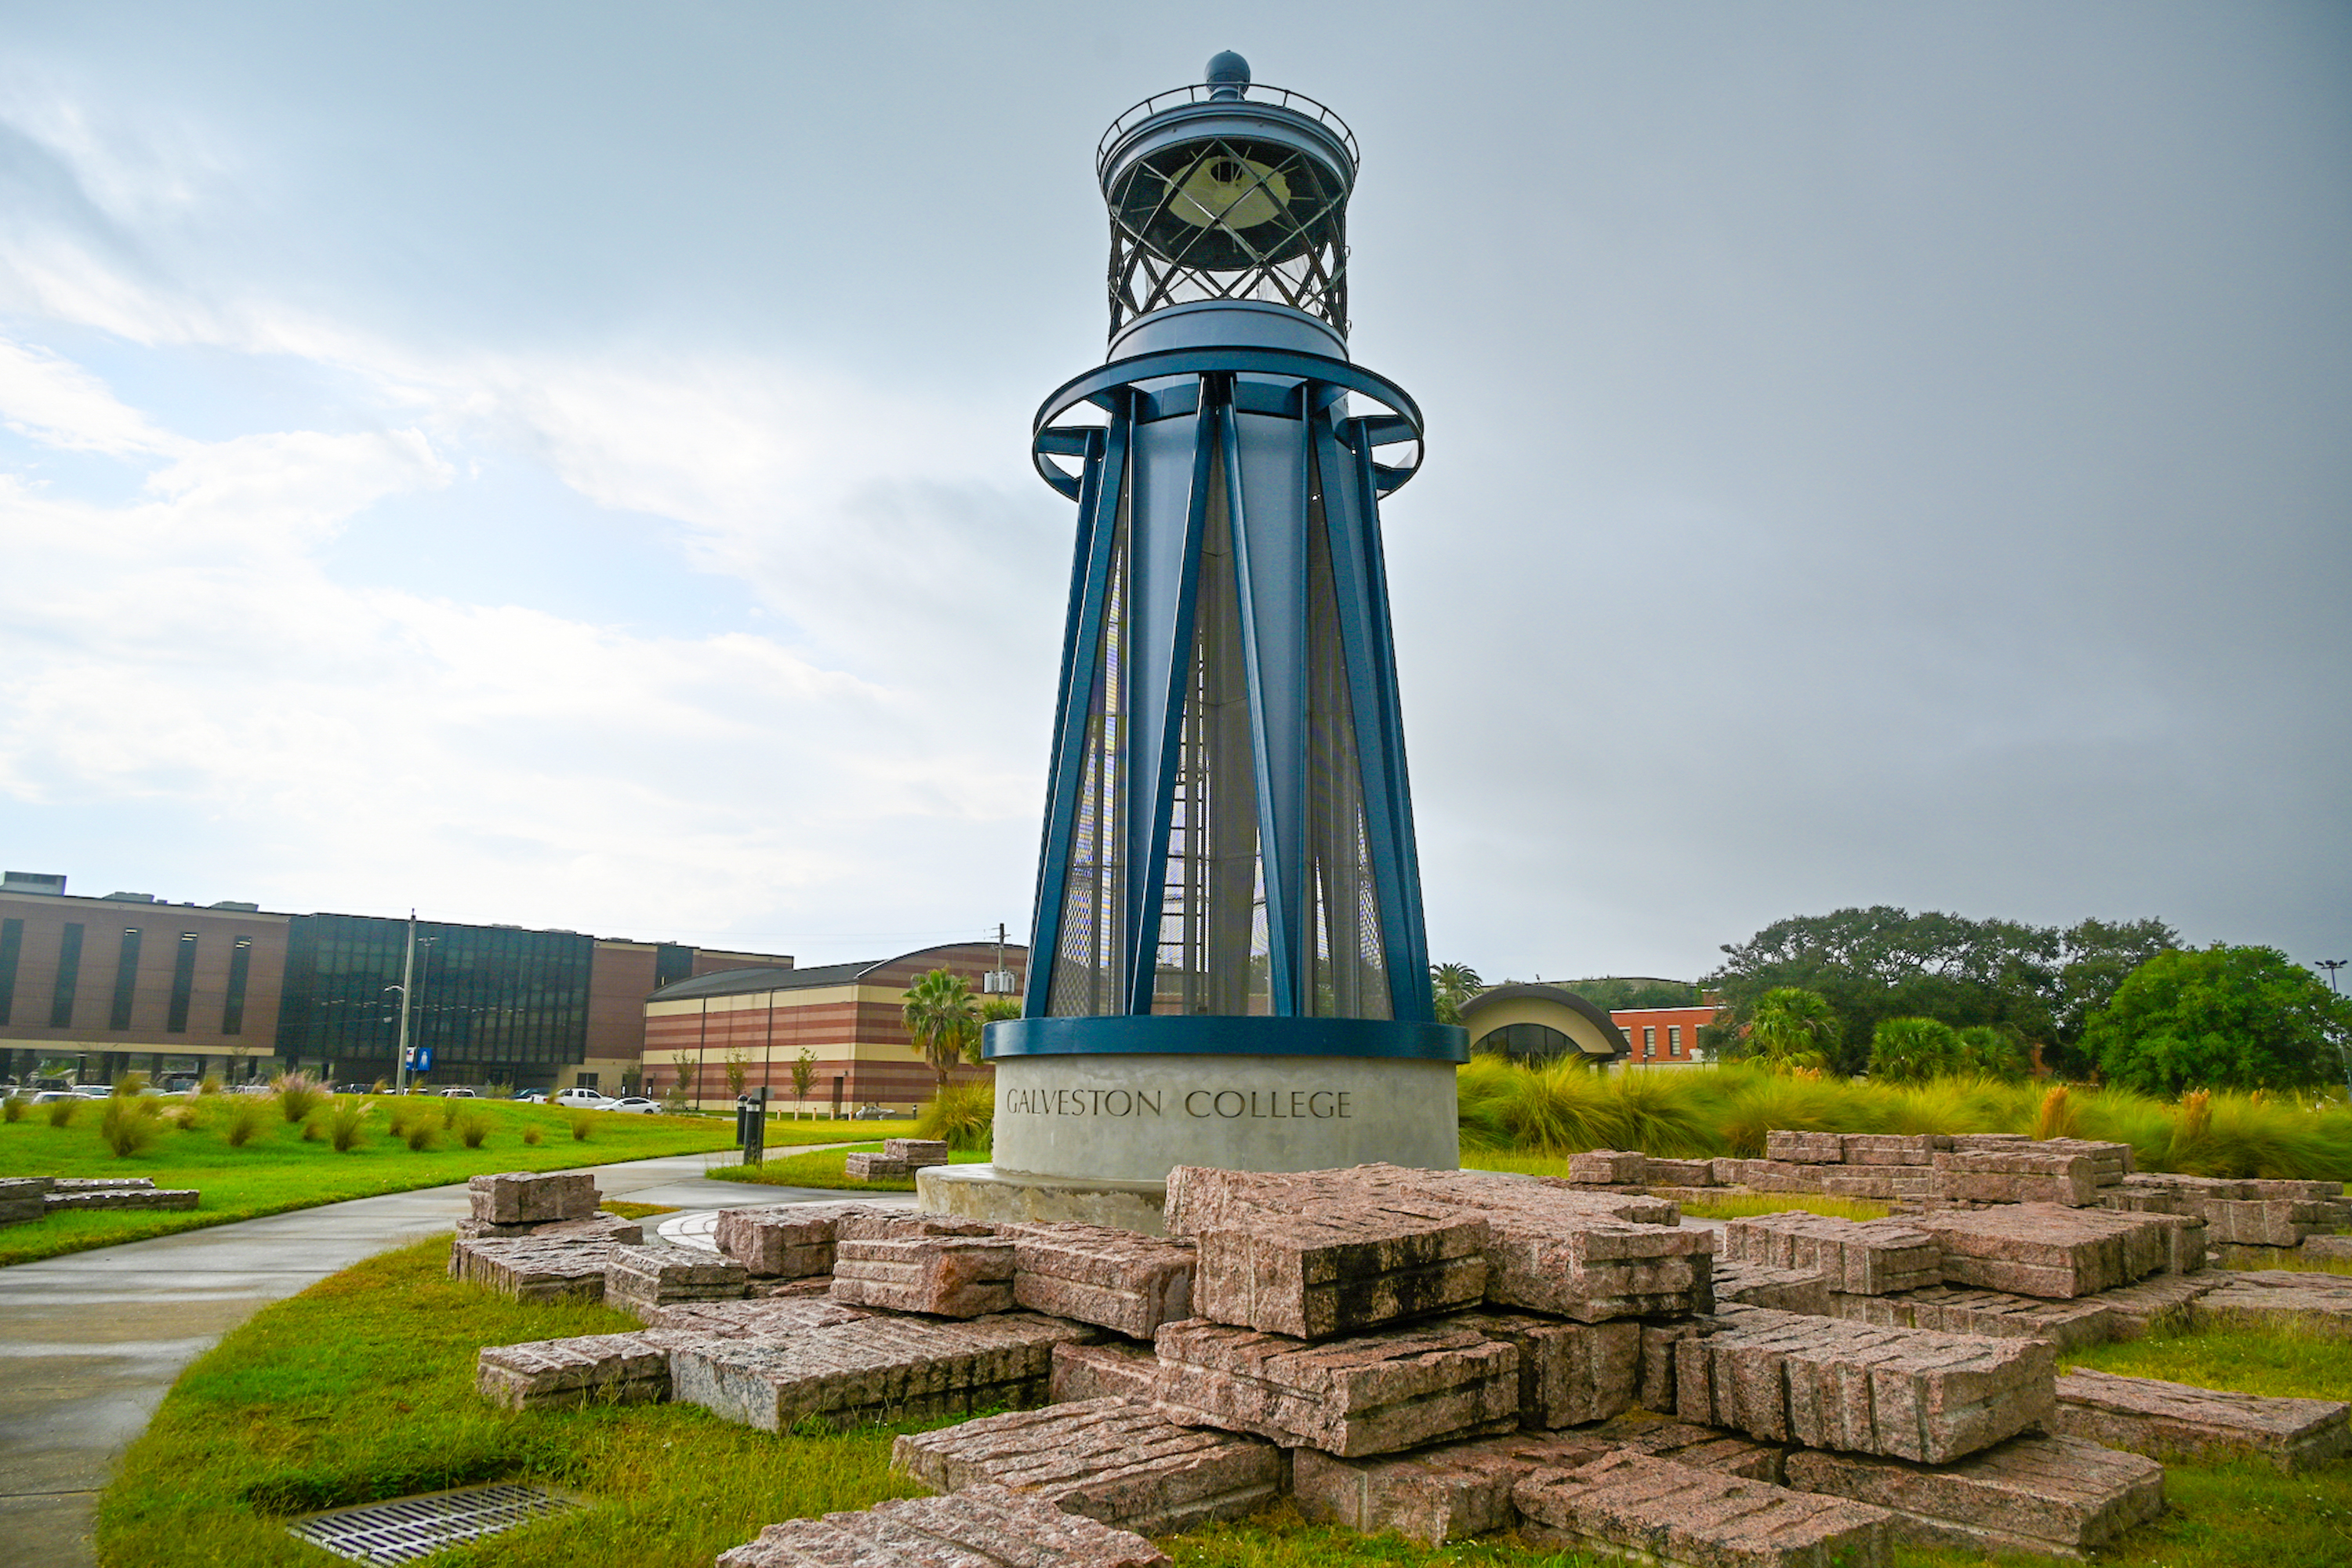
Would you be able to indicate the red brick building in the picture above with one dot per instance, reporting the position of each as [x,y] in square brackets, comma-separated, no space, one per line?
[1663,1037]
[847,1016]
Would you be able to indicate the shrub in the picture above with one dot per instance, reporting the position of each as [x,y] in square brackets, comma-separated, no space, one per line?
[186,1118]
[2055,1119]
[532,1135]
[344,1124]
[584,1123]
[449,1109]
[298,1094]
[422,1136]
[246,1120]
[129,1124]
[61,1111]
[129,1083]
[310,1131]
[1913,1050]
[211,1084]
[964,1114]
[473,1127]
[12,1109]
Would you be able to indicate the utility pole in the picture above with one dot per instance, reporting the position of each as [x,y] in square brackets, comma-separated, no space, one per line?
[2343,1044]
[407,972]
[2332,965]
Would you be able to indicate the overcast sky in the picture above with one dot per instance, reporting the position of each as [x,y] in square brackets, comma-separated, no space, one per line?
[566,464]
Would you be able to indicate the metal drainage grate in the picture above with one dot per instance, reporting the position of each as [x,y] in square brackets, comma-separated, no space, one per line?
[409,1528]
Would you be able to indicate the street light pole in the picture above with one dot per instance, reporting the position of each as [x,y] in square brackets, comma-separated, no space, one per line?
[2343,1040]
[407,972]
[2332,965]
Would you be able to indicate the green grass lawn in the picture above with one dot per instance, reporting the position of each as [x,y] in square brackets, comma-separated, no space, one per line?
[361,1389]
[823,1168]
[279,1170]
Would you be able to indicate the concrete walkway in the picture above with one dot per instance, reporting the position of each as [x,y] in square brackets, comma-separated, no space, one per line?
[90,1343]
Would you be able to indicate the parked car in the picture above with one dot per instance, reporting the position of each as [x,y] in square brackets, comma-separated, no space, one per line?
[43,1096]
[459,1094]
[583,1096]
[636,1104]
[93,1091]
[531,1096]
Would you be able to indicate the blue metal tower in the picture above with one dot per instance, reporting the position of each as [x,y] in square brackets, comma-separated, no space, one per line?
[1228,869]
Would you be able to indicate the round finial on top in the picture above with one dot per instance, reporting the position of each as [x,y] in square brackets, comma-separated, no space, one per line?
[1228,75]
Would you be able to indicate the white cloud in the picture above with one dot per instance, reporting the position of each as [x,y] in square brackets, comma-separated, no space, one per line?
[61,404]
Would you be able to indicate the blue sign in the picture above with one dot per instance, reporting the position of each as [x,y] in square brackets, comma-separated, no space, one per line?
[420,1058]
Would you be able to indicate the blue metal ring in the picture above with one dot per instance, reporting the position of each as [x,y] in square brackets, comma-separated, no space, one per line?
[1091,387]
[1188,1035]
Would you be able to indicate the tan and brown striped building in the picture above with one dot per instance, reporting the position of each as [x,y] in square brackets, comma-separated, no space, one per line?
[849,1016]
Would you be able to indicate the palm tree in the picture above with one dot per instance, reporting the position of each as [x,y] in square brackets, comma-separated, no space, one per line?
[1790,1028]
[939,1014]
[1450,986]
[992,1010]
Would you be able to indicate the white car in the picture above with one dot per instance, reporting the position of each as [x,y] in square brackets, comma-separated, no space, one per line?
[634,1104]
[586,1098]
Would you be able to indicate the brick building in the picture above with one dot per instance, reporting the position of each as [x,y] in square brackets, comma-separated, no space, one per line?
[1663,1037]
[93,988]
[847,1016]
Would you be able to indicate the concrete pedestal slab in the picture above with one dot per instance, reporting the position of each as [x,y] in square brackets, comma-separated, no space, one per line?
[990,1193]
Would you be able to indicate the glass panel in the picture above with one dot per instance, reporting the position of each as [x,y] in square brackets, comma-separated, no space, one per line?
[240,969]
[1094,891]
[183,985]
[126,979]
[61,996]
[1228,219]
[11,944]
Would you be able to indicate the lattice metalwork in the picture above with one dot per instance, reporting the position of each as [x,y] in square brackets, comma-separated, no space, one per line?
[1226,218]
[407,1529]
[1088,977]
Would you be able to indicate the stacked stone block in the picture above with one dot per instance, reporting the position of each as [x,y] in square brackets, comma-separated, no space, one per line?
[1785,1290]
[787,1241]
[2174,1420]
[2060,1252]
[2312,1303]
[71,1197]
[1997,1314]
[1685,1517]
[900,1158]
[1825,1382]
[880,1368]
[531,1197]
[534,1269]
[644,1279]
[617,1369]
[1341,1271]
[2063,1171]
[1111,1369]
[1113,1460]
[980,1526]
[948,1276]
[21,1198]
[2054,1496]
[1368,1394]
[1116,1280]
[1876,1258]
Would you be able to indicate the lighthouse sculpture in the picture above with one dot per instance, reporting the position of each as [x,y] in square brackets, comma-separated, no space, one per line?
[1228,964]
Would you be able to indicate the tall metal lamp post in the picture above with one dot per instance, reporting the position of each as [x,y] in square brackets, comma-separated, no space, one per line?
[1228,963]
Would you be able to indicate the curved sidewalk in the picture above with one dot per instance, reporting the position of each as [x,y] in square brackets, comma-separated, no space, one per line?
[89,1342]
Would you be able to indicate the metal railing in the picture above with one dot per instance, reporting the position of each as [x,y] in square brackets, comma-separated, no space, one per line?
[1204,92]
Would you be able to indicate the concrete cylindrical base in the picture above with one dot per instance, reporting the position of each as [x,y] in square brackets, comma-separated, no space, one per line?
[1134,1117]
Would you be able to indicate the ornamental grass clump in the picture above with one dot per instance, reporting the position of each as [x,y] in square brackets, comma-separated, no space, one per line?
[473,1127]
[12,1109]
[344,1124]
[584,1123]
[61,1111]
[129,1124]
[533,1135]
[246,1120]
[450,1106]
[963,1114]
[298,1094]
[2055,1119]
[422,1135]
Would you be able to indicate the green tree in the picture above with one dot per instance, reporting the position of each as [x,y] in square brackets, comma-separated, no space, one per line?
[1450,986]
[1993,1052]
[1616,993]
[2037,984]
[804,1075]
[940,1013]
[2218,1017]
[1913,1050]
[1790,1028]
[992,1010]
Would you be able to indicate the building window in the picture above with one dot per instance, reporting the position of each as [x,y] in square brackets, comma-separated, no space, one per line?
[1674,1039]
[1525,1043]
[126,979]
[12,942]
[240,965]
[183,985]
[61,995]
[1648,1040]
[585,1079]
